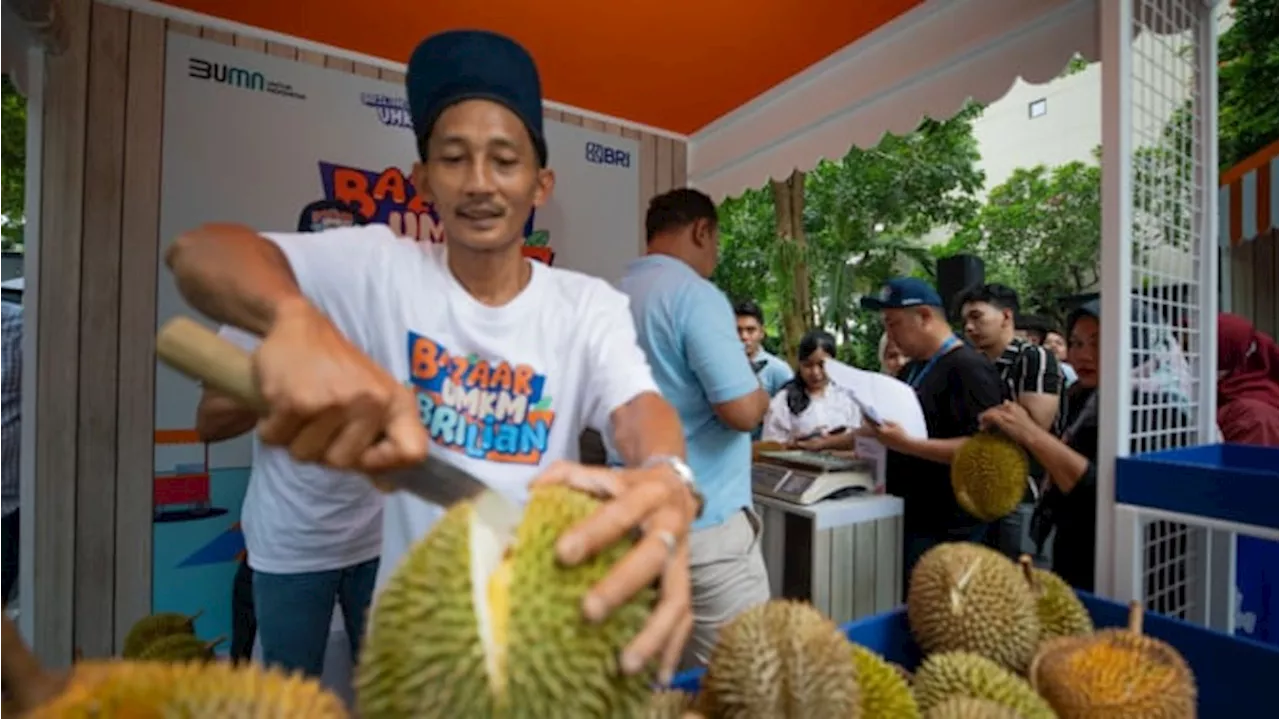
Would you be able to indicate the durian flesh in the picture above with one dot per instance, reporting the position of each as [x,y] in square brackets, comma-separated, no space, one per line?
[478,623]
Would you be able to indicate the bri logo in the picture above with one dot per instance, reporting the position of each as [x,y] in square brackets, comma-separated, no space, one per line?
[601,155]
[240,77]
[392,111]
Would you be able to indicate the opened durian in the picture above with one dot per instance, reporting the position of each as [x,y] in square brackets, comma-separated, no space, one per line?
[1061,612]
[970,708]
[780,660]
[989,475]
[884,688]
[180,648]
[951,674]
[157,626]
[478,623]
[967,597]
[128,689]
[1116,673]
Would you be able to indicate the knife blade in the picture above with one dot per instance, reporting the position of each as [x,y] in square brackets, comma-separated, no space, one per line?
[198,352]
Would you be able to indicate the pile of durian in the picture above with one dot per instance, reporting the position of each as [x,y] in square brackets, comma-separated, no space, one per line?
[477,622]
[1001,640]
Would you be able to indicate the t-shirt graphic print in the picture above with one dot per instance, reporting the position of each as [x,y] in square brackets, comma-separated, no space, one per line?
[488,410]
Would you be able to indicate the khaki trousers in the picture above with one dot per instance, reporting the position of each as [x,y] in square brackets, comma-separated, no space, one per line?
[728,577]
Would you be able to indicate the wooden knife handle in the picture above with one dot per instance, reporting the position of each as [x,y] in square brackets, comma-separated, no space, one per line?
[198,352]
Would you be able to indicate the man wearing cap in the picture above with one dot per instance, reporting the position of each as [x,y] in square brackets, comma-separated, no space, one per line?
[955,384]
[377,350]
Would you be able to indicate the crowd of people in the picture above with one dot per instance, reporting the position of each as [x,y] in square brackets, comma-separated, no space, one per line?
[363,342]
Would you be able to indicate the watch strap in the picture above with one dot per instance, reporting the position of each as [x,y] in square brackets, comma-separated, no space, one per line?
[684,472]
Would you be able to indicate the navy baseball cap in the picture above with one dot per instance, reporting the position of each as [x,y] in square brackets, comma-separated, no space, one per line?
[903,292]
[326,214]
[457,65]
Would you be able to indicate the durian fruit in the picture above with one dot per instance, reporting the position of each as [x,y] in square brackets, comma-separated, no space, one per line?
[1116,673]
[967,597]
[950,674]
[125,689]
[989,475]
[180,648]
[969,708]
[668,704]
[1061,612]
[476,622]
[884,688]
[781,659]
[156,626]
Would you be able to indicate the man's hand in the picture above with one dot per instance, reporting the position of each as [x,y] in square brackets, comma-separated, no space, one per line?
[656,501]
[889,434]
[328,402]
[1012,419]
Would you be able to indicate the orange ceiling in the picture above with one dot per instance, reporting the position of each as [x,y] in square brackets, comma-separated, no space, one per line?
[673,64]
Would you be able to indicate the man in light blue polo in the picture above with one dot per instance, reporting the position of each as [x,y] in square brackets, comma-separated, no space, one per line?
[686,328]
[774,373]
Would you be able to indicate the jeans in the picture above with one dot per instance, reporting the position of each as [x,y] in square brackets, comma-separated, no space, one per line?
[10,554]
[917,540]
[294,612]
[244,622]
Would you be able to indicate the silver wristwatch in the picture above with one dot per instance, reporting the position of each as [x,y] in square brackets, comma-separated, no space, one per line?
[683,471]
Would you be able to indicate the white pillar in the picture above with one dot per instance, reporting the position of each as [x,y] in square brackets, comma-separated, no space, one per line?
[1115,33]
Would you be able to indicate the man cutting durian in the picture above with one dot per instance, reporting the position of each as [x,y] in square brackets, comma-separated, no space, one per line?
[377,350]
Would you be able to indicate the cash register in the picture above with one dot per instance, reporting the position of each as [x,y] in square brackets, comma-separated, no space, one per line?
[803,477]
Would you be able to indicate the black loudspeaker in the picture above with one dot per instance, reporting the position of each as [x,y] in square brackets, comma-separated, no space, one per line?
[958,274]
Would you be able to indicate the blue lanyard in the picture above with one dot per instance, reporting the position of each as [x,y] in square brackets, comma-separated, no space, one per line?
[917,376]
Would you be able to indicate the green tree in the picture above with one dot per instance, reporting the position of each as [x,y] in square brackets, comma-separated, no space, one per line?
[864,215]
[1248,81]
[13,164]
[1039,233]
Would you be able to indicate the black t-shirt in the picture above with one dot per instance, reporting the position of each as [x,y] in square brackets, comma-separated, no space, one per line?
[961,385]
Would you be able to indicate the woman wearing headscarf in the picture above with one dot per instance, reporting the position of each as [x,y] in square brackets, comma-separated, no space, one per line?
[1160,378]
[810,412]
[1248,383]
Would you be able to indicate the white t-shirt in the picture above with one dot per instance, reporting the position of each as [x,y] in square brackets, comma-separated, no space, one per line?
[300,517]
[827,411]
[503,391]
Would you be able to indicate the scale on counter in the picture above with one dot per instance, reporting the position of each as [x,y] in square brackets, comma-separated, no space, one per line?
[804,477]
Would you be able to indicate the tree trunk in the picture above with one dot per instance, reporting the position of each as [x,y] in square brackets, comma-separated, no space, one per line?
[797,307]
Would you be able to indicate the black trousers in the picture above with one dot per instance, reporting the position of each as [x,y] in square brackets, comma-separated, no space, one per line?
[244,622]
[9,554]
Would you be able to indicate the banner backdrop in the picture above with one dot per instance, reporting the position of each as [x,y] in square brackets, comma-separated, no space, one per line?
[256,139]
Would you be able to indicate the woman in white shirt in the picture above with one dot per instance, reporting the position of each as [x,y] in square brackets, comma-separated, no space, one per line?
[810,412]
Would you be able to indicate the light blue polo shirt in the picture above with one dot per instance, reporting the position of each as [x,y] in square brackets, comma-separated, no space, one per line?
[775,373]
[773,376]
[687,329]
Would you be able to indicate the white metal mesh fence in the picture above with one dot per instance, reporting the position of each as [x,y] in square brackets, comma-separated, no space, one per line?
[1167,299]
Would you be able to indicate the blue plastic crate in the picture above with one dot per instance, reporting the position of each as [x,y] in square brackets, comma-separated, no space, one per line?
[1236,677]
[1230,482]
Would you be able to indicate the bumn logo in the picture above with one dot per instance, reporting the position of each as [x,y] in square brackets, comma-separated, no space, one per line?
[601,155]
[240,77]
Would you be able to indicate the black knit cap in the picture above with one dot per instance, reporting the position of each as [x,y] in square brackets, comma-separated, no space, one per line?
[457,65]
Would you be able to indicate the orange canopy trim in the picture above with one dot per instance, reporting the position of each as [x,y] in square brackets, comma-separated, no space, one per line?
[1247,199]
[673,64]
